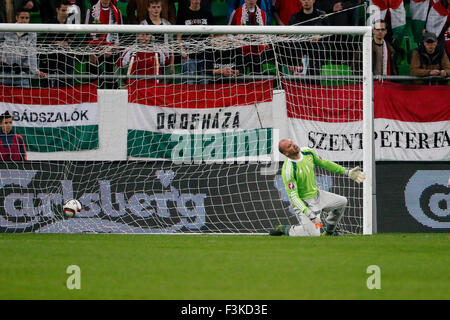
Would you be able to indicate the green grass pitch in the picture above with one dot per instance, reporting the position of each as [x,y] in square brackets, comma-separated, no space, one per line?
[204,267]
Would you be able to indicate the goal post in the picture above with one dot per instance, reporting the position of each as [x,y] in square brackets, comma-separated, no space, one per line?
[368,145]
[197,143]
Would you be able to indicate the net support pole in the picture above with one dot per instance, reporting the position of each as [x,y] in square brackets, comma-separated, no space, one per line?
[368,145]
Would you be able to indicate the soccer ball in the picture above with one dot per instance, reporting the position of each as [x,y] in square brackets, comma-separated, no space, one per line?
[71,208]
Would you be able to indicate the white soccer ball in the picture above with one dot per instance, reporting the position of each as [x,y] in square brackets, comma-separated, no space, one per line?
[71,208]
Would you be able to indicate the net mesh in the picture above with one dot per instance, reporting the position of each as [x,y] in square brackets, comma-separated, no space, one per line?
[200,129]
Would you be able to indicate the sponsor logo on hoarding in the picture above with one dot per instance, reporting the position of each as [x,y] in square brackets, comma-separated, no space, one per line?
[427,198]
[27,209]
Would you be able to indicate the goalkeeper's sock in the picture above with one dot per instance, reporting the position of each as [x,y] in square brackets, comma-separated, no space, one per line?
[285,229]
[275,232]
[280,230]
[330,229]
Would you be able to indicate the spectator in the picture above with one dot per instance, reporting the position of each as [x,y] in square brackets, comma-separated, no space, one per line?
[383,53]
[248,14]
[153,17]
[340,12]
[137,11]
[284,9]
[184,4]
[340,47]
[393,12]
[62,61]
[304,57]
[255,55]
[30,5]
[3,12]
[264,5]
[193,62]
[309,15]
[104,12]
[140,62]
[76,11]
[26,61]
[430,60]
[12,146]
[224,62]
[7,14]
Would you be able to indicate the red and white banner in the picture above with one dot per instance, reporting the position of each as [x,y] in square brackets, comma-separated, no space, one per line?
[164,108]
[50,107]
[199,119]
[396,10]
[419,9]
[54,119]
[411,122]
[437,17]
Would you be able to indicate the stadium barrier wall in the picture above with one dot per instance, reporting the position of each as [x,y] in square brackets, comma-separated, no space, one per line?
[112,123]
[398,207]
[404,129]
[113,129]
[413,196]
[135,197]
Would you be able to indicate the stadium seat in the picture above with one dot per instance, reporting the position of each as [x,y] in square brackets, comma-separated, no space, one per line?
[219,11]
[269,68]
[336,70]
[35,17]
[403,69]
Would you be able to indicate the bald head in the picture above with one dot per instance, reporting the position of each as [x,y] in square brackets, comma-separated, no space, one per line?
[289,148]
[282,145]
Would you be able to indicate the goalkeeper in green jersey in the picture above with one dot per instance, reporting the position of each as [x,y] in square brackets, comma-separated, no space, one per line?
[308,201]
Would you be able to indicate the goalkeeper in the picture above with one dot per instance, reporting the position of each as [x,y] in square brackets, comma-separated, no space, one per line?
[308,201]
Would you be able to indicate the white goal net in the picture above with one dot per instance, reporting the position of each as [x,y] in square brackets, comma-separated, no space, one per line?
[175,130]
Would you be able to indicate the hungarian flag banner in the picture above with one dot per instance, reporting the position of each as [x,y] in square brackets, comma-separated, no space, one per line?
[419,11]
[53,119]
[411,122]
[397,15]
[438,16]
[182,122]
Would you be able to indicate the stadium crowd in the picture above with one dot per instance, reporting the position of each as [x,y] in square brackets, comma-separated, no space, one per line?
[424,51]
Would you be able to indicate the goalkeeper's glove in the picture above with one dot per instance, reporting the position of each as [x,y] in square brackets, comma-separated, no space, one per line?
[356,174]
[314,216]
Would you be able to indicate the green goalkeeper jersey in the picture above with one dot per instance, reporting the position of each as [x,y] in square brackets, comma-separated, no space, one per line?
[299,177]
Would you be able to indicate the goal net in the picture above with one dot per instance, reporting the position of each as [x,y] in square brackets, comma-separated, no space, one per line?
[175,129]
